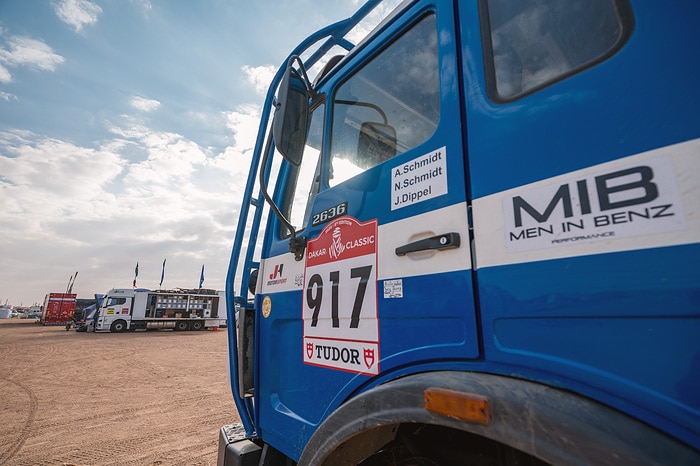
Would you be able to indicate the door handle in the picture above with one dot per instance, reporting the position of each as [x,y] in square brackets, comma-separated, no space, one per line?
[439,242]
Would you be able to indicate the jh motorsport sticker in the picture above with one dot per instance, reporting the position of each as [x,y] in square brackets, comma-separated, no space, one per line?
[341,328]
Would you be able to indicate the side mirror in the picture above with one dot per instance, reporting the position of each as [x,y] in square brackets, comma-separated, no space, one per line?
[291,121]
[253,281]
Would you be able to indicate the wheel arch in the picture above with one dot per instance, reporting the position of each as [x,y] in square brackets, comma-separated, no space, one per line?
[554,425]
[118,326]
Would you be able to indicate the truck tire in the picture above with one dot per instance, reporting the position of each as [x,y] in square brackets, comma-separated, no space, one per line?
[197,325]
[117,326]
[181,325]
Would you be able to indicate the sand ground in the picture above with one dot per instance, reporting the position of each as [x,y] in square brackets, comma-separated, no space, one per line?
[135,398]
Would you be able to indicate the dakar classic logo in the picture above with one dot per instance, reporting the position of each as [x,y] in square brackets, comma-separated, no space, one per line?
[336,248]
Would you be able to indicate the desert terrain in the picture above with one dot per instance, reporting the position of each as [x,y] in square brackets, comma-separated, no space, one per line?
[135,398]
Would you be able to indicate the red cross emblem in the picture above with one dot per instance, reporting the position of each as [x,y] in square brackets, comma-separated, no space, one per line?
[309,350]
[369,357]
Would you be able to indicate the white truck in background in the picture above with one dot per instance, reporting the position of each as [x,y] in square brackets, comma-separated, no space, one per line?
[141,309]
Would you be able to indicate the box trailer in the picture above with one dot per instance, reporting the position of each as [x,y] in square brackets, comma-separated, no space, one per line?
[58,308]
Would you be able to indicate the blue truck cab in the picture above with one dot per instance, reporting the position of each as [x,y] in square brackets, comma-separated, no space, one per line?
[471,236]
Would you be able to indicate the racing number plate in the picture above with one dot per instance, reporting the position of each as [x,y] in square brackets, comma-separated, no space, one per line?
[341,328]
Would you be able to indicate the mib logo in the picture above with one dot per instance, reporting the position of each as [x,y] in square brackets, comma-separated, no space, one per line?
[634,201]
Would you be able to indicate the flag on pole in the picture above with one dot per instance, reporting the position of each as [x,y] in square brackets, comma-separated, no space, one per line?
[162,274]
[136,273]
[201,278]
[71,283]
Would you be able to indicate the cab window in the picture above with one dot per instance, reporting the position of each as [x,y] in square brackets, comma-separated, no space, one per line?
[304,180]
[531,44]
[115,301]
[389,106]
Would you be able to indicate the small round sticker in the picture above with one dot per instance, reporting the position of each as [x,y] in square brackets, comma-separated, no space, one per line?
[266,307]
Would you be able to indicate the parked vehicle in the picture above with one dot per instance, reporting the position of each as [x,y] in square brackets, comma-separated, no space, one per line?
[34,311]
[141,309]
[58,308]
[6,311]
[483,244]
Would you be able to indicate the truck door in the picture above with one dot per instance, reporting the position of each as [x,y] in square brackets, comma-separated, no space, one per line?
[385,281]
[585,200]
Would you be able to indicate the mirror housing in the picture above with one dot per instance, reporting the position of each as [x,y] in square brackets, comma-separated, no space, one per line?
[291,120]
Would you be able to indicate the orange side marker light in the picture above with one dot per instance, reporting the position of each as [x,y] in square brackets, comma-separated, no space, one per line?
[465,406]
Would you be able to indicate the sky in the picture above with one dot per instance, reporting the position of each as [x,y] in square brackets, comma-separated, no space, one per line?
[126,129]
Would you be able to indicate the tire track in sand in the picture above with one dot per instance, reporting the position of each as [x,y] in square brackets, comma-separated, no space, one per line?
[24,431]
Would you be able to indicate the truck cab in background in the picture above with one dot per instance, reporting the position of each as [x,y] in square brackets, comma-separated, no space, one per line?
[482,244]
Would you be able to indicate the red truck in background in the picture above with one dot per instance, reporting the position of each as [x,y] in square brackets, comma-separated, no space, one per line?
[58,308]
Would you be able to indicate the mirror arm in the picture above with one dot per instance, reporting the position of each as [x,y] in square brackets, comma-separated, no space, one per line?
[266,195]
[302,68]
[296,245]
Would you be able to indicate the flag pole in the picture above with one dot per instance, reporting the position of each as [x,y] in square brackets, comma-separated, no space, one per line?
[71,283]
[162,276]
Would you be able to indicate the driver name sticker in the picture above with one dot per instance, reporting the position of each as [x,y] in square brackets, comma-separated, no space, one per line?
[341,328]
[420,179]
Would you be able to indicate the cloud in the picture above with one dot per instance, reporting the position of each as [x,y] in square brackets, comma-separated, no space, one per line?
[143,104]
[260,77]
[5,76]
[63,206]
[381,11]
[176,175]
[7,96]
[244,123]
[170,165]
[46,178]
[144,6]
[142,194]
[77,13]
[25,51]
